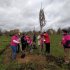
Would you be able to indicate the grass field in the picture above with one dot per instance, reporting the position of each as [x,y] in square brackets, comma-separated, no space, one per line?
[56,51]
[56,47]
[4,41]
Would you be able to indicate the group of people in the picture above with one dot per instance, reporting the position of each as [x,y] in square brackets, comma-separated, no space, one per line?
[20,43]
[43,40]
[26,41]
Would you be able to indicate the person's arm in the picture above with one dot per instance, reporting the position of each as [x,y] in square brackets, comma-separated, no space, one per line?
[63,41]
[16,41]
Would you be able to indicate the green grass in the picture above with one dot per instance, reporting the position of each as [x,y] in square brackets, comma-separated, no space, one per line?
[56,50]
[56,47]
[4,41]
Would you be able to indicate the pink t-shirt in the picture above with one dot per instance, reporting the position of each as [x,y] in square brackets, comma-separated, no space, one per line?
[47,38]
[15,37]
[65,39]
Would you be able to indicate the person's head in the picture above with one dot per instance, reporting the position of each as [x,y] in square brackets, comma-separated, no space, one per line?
[64,32]
[44,32]
[17,32]
[23,34]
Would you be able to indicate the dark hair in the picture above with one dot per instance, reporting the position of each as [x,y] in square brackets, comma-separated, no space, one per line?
[64,30]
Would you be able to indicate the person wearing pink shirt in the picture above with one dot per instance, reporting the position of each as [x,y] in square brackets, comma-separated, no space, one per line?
[66,44]
[47,42]
[30,43]
[13,44]
[63,42]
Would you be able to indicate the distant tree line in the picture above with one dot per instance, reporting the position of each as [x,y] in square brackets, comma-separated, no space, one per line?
[50,31]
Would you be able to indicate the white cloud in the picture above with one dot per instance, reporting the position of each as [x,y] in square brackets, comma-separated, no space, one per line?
[24,14]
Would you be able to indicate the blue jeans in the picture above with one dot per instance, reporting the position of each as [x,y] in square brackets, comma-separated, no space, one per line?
[14,49]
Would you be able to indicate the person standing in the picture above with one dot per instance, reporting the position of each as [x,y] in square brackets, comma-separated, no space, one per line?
[18,47]
[23,43]
[47,42]
[14,43]
[34,40]
[30,44]
[66,44]
[41,42]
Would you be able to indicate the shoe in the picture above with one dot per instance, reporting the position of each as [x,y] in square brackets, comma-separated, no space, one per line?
[22,56]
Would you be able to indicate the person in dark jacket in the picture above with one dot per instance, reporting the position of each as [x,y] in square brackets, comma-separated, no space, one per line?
[34,40]
[18,46]
[23,43]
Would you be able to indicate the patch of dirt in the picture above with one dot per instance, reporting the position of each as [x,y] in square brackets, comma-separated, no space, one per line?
[28,58]
[7,56]
[0,44]
[41,62]
[31,58]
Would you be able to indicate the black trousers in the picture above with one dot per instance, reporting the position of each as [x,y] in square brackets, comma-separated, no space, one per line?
[23,46]
[18,48]
[47,47]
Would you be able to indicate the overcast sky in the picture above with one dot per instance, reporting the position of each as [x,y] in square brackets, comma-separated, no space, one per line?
[24,14]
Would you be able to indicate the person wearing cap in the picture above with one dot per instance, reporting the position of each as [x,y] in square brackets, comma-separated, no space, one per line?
[14,43]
